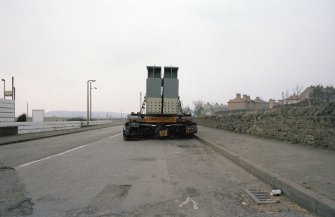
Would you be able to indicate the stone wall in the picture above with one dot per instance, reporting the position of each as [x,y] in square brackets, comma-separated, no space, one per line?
[307,125]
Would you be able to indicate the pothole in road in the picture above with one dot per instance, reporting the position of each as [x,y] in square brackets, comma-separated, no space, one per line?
[107,201]
[186,145]
[13,195]
[24,207]
[191,192]
[124,189]
[6,168]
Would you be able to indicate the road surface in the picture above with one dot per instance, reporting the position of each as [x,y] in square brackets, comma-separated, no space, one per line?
[96,173]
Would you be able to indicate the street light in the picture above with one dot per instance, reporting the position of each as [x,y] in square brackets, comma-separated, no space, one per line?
[91,100]
[4,87]
[88,101]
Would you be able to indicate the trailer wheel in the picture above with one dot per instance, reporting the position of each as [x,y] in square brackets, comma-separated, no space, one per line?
[125,138]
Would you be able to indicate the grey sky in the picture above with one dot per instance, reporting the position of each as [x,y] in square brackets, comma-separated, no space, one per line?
[257,47]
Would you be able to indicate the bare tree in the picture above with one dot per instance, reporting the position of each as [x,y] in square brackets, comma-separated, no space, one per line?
[287,94]
[297,90]
[198,107]
[187,110]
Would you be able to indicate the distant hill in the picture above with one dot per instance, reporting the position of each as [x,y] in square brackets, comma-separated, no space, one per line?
[83,114]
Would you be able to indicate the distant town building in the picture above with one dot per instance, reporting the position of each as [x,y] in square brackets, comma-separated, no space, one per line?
[312,93]
[294,99]
[318,93]
[211,108]
[239,102]
[258,104]
[219,107]
[245,102]
[273,103]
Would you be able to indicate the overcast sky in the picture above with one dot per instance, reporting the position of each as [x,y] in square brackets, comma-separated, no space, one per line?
[223,47]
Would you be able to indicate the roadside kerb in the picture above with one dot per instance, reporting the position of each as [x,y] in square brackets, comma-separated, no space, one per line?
[316,204]
[41,135]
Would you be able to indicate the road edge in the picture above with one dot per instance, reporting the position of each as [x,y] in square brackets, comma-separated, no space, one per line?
[314,203]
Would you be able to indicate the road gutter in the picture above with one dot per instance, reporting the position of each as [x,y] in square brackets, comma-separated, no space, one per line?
[316,204]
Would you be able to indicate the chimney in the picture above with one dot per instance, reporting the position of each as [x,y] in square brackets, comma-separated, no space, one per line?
[257,97]
[245,96]
[238,96]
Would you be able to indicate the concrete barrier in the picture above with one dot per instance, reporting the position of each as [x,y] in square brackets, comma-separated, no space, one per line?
[47,126]
[31,127]
[14,128]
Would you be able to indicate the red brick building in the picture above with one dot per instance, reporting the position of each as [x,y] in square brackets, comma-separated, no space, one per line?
[239,102]
[246,103]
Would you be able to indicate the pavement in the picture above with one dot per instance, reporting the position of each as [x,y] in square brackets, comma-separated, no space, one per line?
[32,136]
[305,174]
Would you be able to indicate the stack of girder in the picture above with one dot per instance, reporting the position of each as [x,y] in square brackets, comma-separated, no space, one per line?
[162,94]
[170,90]
[154,90]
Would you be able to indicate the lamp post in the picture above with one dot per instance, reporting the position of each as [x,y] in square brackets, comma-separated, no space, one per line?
[88,101]
[13,88]
[91,100]
[4,87]
[140,101]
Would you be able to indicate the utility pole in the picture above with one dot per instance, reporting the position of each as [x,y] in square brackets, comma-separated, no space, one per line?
[140,101]
[4,88]
[13,94]
[88,104]
[88,101]
[12,88]
[91,99]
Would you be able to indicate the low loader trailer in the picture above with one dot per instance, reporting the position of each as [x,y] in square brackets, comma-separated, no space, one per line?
[148,126]
[163,116]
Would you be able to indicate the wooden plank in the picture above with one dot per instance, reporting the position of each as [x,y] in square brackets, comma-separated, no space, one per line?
[6,110]
[6,119]
[36,130]
[42,127]
[2,105]
[6,115]
[6,101]
[6,131]
[8,124]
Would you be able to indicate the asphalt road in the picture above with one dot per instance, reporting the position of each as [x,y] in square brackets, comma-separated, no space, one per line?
[96,173]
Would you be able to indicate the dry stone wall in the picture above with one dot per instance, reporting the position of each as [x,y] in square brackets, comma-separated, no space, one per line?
[307,125]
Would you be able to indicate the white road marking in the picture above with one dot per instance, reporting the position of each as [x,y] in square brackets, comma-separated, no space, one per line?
[46,158]
[188,199]
[59,154]
[114,136]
